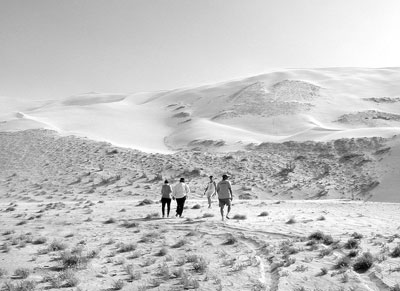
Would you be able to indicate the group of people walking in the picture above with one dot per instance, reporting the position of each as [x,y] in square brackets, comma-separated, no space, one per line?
[180,191]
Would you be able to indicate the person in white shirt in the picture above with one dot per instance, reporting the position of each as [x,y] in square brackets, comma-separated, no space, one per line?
[180,192]
[211,190]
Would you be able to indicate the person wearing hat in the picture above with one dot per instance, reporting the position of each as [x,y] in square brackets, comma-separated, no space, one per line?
[180,192]
[225,196]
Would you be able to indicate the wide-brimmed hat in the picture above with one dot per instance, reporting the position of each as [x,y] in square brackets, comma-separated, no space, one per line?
[225,176]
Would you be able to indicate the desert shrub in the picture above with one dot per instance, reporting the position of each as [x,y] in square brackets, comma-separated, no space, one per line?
[343,262]
[357,235]
[70,278]
[57,245]
[123,248]
[22,222]
[191,258]
[317,235]
[180,261]
[395,287]
[191,233]
[325,252]
[196,206]
[39,240]
[231,240]
[200,266]
[129,224]
[205,215]
[93,253]
[363,263]
[118,284]
[5,247]
[188,282]
[162,252]
[73,259]
[351,243]
[110,220]
[264,213]
[178,272]
[323,271]
[55,281]
[148,262]
[179,243]
[396,252]
[164,271]
[23,285]
[145,202]
[327,240]
[240,217]
[352,254]
[321,218]
[3,272]
[152,215]
[291,220]
[22,273]
[133,275]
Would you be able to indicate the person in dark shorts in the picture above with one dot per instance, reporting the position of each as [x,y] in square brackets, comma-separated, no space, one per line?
[180,192]
[166,191]
[225,196]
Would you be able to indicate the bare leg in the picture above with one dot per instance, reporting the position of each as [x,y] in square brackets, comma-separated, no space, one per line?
[229,210]
[209,201]
[222,212]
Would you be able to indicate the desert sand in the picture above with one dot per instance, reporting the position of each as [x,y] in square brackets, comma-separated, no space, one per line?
[313,157]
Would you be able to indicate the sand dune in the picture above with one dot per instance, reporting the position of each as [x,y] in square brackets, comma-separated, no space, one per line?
[273,107]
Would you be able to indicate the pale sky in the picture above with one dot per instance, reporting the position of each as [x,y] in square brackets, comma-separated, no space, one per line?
[52,49]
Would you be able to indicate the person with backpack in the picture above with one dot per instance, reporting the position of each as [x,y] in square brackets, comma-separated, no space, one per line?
[166,191]
[225,195]
[180,192]
[210,190]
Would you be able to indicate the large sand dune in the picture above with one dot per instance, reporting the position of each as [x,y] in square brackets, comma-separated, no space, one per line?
[299,105]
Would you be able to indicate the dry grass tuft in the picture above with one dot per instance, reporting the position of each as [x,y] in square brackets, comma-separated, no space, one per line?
[22,273]
[363,263]
[239,217]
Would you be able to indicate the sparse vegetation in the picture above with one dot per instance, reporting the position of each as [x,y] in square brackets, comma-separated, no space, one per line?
[239,217]
[118,284]
[22,273]
[395,253]
[231,240]
[129,247]
[291,220]
[196,206]
[205,215]
[23,285]
[57,245]
[264,213]
[363,263]
[39,240]
[343,262]
[179,243]
[351,243]
[145,202]
[110,220]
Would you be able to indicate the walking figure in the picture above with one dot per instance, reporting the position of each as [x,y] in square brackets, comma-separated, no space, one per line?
[180,192]
[166,191]
[210,191]
[225,195]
